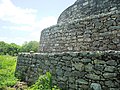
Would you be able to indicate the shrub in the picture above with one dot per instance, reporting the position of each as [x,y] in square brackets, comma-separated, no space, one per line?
[7,69]
[44,83]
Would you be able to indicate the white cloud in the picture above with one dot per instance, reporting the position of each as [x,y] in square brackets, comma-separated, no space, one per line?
[10,12]
[46,22]
[23,19]
[18,40]
[18,28]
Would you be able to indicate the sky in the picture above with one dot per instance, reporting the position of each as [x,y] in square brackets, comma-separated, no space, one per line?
[23,20]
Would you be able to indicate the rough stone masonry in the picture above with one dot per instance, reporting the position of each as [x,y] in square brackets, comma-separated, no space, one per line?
[82,51]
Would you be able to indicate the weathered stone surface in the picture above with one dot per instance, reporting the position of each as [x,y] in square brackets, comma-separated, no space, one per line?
[79,66]
[93,76]
[95,86]
[101,67]
[100,62]
[114,88]
[81,81]
[76,59]
[109,83]
[89,68]
[86,60]
[59,72]
[109,68]
[112,62]
[89,34]
[67,58]
[110,75]
[83,8]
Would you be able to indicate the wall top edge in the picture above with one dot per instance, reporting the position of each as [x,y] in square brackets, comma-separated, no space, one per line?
[84,52]
[84,19]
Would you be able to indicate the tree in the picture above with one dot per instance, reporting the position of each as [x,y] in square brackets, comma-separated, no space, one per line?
[13,49]
[3,47]
[10,49]
[30,46]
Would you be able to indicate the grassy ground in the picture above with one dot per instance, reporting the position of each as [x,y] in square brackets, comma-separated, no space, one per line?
[8,80]
[7,69]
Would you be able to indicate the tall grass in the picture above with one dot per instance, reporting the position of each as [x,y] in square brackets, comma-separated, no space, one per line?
[7,78]
[7,69]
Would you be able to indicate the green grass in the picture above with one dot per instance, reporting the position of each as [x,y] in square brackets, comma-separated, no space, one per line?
[8,80]
[7,70]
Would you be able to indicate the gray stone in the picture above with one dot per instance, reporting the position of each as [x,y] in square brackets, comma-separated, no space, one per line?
[70,48]
[66,57]
[93,76]
[78,74]
[66,68]
[79,66]
[87,39]
[97,72]
[110,75]
[68,74]
[111,63]
[99,67]
[114,27]
[71,79]
[95,86]
[73,54]
[100,62]
[54,61]
[114,88]
[76,59]
[89,67]
[81,81]
[59,72]
[86,60]
[109,68]
[109,84]
[62,78]
[116,41]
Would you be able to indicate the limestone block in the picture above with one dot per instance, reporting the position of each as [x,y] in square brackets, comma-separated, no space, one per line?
[109,69]
[78,66]
[95,86]
[110,75]
[93,76]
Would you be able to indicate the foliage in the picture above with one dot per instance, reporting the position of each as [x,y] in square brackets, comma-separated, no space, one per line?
[7,69]
[44,83]
[10,49]
[14,49]
[30,46]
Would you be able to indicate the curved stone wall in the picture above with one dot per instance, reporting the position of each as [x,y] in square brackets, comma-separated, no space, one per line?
[98,32]
[82,51]
[83,8]
[73,71]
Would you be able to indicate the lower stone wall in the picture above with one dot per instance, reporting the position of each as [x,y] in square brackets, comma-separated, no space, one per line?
[73,70]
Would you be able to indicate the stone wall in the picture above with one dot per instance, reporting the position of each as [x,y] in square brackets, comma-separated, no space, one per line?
[73,70]
[77,50]
[83,8]
[98,32]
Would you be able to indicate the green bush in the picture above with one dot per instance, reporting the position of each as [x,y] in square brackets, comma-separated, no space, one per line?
[7,69]
[44,83]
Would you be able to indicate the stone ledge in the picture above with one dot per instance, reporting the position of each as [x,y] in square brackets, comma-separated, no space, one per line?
[73,53]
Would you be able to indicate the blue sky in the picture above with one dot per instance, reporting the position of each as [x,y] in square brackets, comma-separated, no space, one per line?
[23,20]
